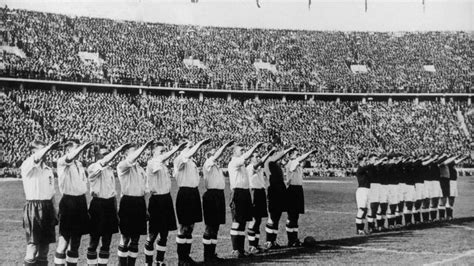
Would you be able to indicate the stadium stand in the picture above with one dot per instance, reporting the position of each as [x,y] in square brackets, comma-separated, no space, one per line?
[339,130]
[224,58]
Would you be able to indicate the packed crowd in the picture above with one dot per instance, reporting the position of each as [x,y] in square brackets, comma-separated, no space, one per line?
[339,130]
[153,54]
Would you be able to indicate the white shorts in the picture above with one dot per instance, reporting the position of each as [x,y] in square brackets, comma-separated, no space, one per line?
[419,191]
[393,194]
[408,192]
[374,192]
[453,188]
[362,197]
[383,194]
[433,189]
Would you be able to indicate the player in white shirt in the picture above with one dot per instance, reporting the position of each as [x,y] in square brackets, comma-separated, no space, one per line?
[258,183]
[73,214]
[39,215]
[213,202]
[188,200]
[160,205]
[294,195]
[241,200]
[103,205]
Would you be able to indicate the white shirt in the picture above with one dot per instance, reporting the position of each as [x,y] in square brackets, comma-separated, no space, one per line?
[101,180]
[294,173]
[185,171]
[256,177]
[238,177]
[71,177]
[38,180]
[213,177]
[157,176]
[132,178]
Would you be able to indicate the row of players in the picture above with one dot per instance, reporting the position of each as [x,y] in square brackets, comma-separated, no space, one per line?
[248,175]
[397,187]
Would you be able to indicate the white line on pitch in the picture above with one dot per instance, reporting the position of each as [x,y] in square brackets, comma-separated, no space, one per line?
[462,226]
[457,257]
[326,181]
[12,221]
[331,212]
[10,210]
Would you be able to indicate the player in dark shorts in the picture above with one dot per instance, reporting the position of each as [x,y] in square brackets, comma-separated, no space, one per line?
[162,218]
[188,200]
[132,209]
[444,184]
[213,202]
[103,206]
[241,200]
[258,184]
[39,215]
[276,196]
[295,195]
[435,189]
[73,213]
[362,194]
[409,193]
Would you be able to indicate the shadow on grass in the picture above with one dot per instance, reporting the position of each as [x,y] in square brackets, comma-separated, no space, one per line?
[337,244]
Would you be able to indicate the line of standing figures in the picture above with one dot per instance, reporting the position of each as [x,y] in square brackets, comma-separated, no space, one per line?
[259,188]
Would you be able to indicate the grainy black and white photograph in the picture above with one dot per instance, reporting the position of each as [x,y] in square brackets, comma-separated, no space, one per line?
[236,132]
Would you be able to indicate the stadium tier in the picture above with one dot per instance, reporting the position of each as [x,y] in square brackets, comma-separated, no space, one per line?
[340,130]
[58,47]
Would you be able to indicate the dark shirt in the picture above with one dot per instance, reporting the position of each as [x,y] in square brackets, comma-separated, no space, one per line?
[362,177]
[453,174]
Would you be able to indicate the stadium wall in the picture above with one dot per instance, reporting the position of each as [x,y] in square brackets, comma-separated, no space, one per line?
[229,94]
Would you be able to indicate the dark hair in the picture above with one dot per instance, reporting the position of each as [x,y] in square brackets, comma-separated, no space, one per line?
[157,144]
[360,157]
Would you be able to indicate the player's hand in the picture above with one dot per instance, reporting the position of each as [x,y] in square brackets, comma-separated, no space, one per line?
[258,144]
[206,141]
[124,146]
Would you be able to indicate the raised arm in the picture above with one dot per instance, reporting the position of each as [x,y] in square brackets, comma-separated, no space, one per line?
[450,160]
[249,153]
[264,159]
[196,147]
[304,156]
[134,156]
[72,155]
[280,155]
[222,148]
[167,155]
[109,157]
[461,159]
[39,155]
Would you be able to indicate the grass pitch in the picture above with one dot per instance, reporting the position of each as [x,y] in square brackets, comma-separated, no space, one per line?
[329,218]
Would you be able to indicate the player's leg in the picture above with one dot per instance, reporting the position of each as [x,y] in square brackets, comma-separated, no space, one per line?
[104,252]
[60,255]
[122,251]
[92,250]
[209,232]
[434,208]
[133,249]
[371,215]
[449,207]
[271,229]
[72,255]
[30,257]
[253,234]
[161,247]
[400,190]
[149,248]
[442,207]
[42,255]
[361,201]
[292,229]
[184,241]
